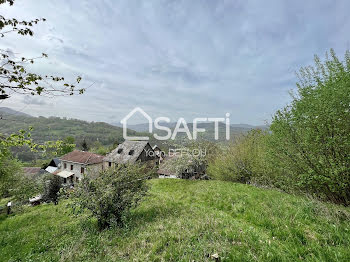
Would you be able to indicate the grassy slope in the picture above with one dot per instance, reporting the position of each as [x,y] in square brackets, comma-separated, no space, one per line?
[185,221]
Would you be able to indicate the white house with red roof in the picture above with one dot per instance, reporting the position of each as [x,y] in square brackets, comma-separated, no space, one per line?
[77,163]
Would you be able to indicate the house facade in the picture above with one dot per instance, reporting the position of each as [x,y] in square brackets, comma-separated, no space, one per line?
[78,163]
[131,151]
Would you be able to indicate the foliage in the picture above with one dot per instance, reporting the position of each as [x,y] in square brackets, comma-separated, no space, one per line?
[52,187]
[244,160]
[186,162]
[67,146]
[84,145]
[110,194]
[310,139]
[98,148]
[55,128]
[26,187]
[184,220]
[15,73]
[9,168]
[12,182]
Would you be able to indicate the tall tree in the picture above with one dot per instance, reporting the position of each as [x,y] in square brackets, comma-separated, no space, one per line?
[16,77]
[311,136]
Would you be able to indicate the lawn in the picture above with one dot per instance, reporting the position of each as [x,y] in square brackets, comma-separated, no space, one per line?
[185,220]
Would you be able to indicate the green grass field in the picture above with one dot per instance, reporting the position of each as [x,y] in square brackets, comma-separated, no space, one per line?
[186,221]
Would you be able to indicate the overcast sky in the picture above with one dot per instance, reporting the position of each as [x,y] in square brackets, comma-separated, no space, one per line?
[175,58]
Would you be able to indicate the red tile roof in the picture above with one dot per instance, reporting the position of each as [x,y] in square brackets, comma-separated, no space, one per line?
[31,170]
[82,157]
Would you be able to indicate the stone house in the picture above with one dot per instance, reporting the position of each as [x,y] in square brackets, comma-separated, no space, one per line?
[131,151]
[77,163]
[159,153]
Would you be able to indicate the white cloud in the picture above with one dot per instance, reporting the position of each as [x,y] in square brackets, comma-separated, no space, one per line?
[179,58]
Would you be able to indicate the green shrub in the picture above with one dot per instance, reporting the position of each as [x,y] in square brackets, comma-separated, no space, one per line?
[111,194]
[243,161]
[310,138]
[52,188]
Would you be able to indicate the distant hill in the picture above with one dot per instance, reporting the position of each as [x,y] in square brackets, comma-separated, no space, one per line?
[143,127]
[55,128]
[235,129]
[8,111]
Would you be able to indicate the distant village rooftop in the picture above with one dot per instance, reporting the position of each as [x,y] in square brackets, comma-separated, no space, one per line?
[82,157]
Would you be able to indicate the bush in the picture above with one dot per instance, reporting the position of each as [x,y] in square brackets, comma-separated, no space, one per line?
[111,194]
[310,138]
[52,188]
[243,161]
[10,168]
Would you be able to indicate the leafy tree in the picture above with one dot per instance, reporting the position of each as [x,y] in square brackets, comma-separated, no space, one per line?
[14,72]
[10,167]
[98,148]
[186,163]
[17,78]
[25,187]
[110,194]
[310,139]
[244,160]
[52,187]
[68,145]
[84,145]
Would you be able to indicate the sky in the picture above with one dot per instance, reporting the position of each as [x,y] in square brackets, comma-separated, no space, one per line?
[175,58]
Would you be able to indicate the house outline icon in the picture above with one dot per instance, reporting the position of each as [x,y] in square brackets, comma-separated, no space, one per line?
[125,120]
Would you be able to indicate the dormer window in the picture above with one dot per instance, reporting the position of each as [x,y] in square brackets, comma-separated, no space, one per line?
[120,150]
[131,152]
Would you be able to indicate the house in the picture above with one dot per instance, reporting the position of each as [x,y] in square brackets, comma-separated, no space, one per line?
[130,152]
[159,153]
[165,170]
[77,163]
[54,165]
[172,164]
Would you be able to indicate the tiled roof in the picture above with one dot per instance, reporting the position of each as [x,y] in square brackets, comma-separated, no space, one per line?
[31,170]
[82,157]
[34,172]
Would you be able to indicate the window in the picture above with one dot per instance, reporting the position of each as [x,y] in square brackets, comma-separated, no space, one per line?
[71,167]
[120,150]
[82,170]
[131,152]
[109,164]
[77,179]
[65,166]
[65,180]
